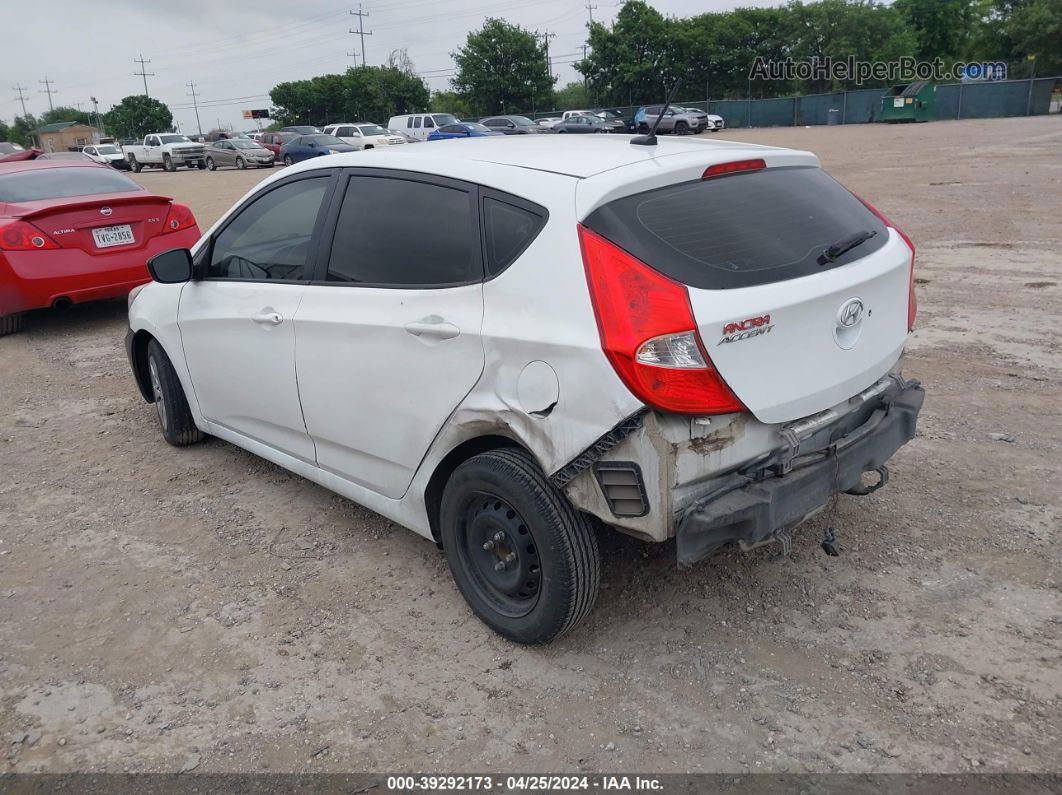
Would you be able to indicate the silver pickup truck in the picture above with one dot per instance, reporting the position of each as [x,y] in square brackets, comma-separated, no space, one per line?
[166,150]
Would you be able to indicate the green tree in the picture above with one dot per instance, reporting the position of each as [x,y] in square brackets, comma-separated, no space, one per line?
[21,130]
[1034,28]
[944,28]
[502,68]
[5,131]
[62,113]
[137,116]
[572,97]
[450,102]
[372,93]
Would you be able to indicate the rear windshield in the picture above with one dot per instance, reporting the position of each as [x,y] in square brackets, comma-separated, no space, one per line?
[741,230]
[62,183]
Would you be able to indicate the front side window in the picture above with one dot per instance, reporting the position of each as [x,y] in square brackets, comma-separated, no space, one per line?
[416,122]
[428,122]
[401,232]
[271,237]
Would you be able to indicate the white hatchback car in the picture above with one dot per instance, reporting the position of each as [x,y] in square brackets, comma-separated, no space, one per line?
[505,343]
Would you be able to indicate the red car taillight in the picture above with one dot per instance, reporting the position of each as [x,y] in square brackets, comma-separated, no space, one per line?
[912,301]
[24,236]
[179,217]
[649,334]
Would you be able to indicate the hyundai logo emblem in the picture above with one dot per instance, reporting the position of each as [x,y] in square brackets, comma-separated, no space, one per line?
[105,211]
[850,313]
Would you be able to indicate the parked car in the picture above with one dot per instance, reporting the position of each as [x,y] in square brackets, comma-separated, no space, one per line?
[107,155]
[616,122]
[547,121]
[463,129]
[713,123]
[8,148]
[273,141]
[20,155]
[581,124]
[513,125]
[502,344]
[238,153]
[301,129]
[677,120]
[77,231]
[409,139]
[168,151]
[307,146]
[364,135]
[421,125]
[77,157]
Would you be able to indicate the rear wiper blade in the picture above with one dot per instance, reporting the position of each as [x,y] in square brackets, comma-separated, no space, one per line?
[844,246]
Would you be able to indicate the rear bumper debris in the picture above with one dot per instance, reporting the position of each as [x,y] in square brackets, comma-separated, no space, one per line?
[767,503]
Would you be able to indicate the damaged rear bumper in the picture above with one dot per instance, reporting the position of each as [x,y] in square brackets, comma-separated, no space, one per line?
[752,507]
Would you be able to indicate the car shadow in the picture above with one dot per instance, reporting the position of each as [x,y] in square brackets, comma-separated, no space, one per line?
[87,318]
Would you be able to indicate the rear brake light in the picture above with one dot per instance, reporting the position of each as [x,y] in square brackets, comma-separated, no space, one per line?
[912,300]
[24,236]
[649,334]
[178,219]
[720,169]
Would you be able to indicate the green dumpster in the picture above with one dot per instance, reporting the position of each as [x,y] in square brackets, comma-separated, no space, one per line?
[911,102]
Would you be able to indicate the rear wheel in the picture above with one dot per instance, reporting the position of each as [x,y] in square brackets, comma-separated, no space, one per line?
[168,164]
[211,165]
[10,324]
[524,559]
[134,164]
[643,128]
[171,406]
[287,160]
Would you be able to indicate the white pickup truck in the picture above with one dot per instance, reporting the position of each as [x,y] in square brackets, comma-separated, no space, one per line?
[167,150]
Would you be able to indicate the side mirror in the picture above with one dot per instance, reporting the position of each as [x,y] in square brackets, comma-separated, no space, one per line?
[171,267]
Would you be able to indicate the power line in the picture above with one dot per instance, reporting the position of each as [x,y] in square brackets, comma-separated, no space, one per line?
[195,104]
[48,90]
[142,73]
[361,29]
[20,88]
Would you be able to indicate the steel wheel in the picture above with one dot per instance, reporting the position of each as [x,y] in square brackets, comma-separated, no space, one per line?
[501,555]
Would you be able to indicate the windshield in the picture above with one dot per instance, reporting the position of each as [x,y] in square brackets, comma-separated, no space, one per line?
[371,129]
[108,150]
[62,183]
[610,114]
[174,139]
[323,140]
[522,121]
[244,144]
[444,118]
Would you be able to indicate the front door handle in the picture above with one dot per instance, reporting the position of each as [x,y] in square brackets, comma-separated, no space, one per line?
[434,327]
[268,317]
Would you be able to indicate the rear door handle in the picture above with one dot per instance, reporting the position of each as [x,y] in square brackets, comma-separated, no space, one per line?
[434,327]
[268,317]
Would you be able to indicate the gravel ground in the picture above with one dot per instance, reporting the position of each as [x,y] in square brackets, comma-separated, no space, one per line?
[169,610]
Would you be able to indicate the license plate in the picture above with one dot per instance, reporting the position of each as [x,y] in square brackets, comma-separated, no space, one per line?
[107,236]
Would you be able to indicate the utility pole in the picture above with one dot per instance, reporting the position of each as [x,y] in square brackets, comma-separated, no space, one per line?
[20,88]
[353,54]
[99,119]
[48,90]
[591,9]
[361,29]
[142,73]
[195,105]
[545,40]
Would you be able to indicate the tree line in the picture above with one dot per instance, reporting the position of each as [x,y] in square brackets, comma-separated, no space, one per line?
[133,117]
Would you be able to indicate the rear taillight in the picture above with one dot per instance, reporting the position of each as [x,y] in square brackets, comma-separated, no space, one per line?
[912,300]
[649,334]
[24,236]
[735,167]
[179,218]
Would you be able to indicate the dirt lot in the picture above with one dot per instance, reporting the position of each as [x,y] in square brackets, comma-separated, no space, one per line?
[201,609]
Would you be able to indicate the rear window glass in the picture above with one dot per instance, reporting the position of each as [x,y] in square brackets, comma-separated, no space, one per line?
[62,183]
[741,230]
[509,230]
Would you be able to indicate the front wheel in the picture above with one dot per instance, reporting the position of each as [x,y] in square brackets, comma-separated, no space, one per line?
[201,165]
[168,164]
[211,165]
[681,128]
[287,160]
[240,164]
[524,559]
[643,128]
[171,406]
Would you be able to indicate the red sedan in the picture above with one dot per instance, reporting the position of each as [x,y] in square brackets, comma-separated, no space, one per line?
[73,232]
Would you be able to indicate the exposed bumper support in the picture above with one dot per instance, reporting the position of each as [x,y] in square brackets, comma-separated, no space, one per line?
[755,511]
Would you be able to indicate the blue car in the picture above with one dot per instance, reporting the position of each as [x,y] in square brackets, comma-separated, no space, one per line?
[306,146]
[463,129]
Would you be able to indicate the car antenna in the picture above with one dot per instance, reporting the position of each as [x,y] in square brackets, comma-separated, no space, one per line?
[650,139]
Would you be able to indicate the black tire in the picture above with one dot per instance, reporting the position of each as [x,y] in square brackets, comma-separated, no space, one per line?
[643,128]
[201,165]
[241,164]
[134,164]
[525,560]
[287,160]
[168,164]
[171,406]
[10,324]
[211,165]
[681,128]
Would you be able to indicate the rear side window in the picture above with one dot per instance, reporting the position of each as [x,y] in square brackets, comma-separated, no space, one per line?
[416,121]
[62,183]
[508,230]
[405,233]
[741,230]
